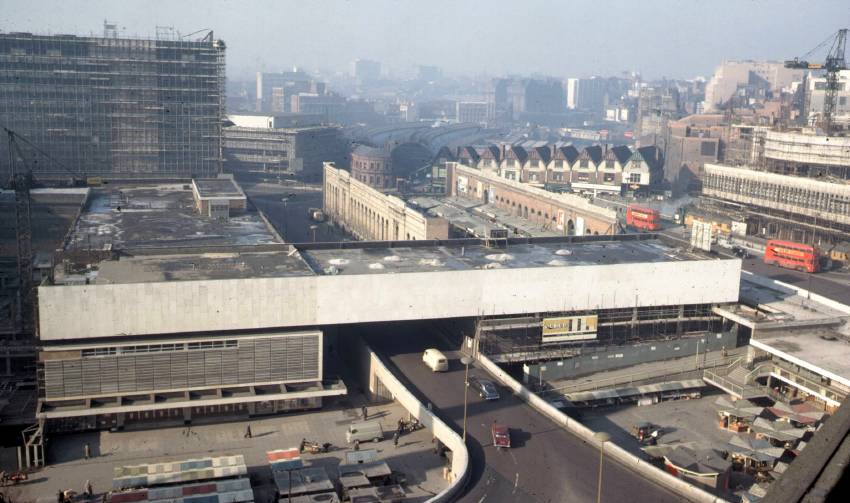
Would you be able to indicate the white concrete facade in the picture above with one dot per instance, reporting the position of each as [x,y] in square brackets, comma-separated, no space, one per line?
[110,310]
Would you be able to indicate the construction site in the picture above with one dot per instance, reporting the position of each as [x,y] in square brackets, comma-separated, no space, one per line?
[115,108]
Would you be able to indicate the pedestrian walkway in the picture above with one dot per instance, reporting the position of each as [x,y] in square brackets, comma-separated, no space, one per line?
[68,469]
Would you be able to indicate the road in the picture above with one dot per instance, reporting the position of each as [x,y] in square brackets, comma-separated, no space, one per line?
[831,284]
[289,218]
[546,463]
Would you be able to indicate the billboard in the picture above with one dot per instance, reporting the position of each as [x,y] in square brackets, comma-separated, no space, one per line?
[701,235]
[570,328]
[462,182]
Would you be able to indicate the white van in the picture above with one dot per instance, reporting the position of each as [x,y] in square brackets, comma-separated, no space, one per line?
[368,431]
[435,360]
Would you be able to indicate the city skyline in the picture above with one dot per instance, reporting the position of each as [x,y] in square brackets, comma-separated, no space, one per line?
[654,38]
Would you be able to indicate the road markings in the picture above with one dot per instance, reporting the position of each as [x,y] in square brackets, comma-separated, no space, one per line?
[516,481]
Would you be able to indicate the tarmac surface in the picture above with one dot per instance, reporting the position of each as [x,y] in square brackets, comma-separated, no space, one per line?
[290,218]
[545,464]
[68,469]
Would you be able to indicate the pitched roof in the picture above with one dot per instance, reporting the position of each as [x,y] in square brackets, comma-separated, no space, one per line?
[651,155]
[468,153]
[622,153]
[445,153]
[594,153]
[517,153]
[566,152]
[491,152]
[542,153]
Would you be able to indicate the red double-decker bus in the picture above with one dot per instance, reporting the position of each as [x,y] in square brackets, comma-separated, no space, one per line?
[643,218]
[791,255]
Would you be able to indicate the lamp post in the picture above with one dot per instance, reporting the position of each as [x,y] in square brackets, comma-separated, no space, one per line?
[465,361]
[284,200]
[600,437]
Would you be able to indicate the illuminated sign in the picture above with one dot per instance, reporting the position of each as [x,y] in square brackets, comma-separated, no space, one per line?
[570,328]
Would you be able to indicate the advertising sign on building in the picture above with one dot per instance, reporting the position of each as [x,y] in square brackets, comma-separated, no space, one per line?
[570,328]
[462,182]
[560,221]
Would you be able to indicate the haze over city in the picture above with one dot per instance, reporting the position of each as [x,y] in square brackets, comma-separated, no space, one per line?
[424,251]
[672,38]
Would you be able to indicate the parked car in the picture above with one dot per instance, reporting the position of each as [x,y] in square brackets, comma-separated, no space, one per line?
[486,389]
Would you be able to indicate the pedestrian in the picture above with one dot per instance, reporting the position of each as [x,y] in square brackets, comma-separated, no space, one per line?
[248,432]
[59,497]
[395,439]
[88,490]
[364,412]
[87,450]
[356,444]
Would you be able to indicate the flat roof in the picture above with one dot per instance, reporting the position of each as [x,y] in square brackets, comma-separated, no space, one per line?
[375,258]
[825,351]
[159,216]
[477,256]
[217,187]
[199,266]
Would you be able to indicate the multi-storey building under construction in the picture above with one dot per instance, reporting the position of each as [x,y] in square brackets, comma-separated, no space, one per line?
[112,107]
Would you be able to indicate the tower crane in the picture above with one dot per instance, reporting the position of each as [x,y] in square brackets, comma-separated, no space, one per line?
[833,64]
[21,181]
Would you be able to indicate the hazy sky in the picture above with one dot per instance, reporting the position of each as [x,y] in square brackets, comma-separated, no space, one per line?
[674,38]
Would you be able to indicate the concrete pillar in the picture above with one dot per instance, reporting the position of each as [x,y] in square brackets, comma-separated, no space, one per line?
[680,319]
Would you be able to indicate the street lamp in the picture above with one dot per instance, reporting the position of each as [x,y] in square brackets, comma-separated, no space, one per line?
[284,200]
[601,437]
[465,361]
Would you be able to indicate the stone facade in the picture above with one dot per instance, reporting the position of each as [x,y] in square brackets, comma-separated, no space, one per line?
[564,212]
[373,216]
[372,166]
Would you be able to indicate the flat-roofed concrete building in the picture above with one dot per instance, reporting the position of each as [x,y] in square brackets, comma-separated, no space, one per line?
[372,215]
[218,197]
[152,378]
[283,144]
[113,107]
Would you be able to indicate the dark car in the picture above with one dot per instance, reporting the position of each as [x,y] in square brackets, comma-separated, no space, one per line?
[740,252]
[485,388]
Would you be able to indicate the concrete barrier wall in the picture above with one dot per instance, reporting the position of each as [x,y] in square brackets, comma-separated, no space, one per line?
[636,354]
[446,435]
[629,460]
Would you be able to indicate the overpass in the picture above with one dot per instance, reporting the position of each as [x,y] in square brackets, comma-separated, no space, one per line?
[547,463]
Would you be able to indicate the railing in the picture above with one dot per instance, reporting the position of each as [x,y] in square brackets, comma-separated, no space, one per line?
[817,386]
[687,367]
[723,382]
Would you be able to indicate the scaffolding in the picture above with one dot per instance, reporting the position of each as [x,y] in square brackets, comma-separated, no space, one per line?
[113,107]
